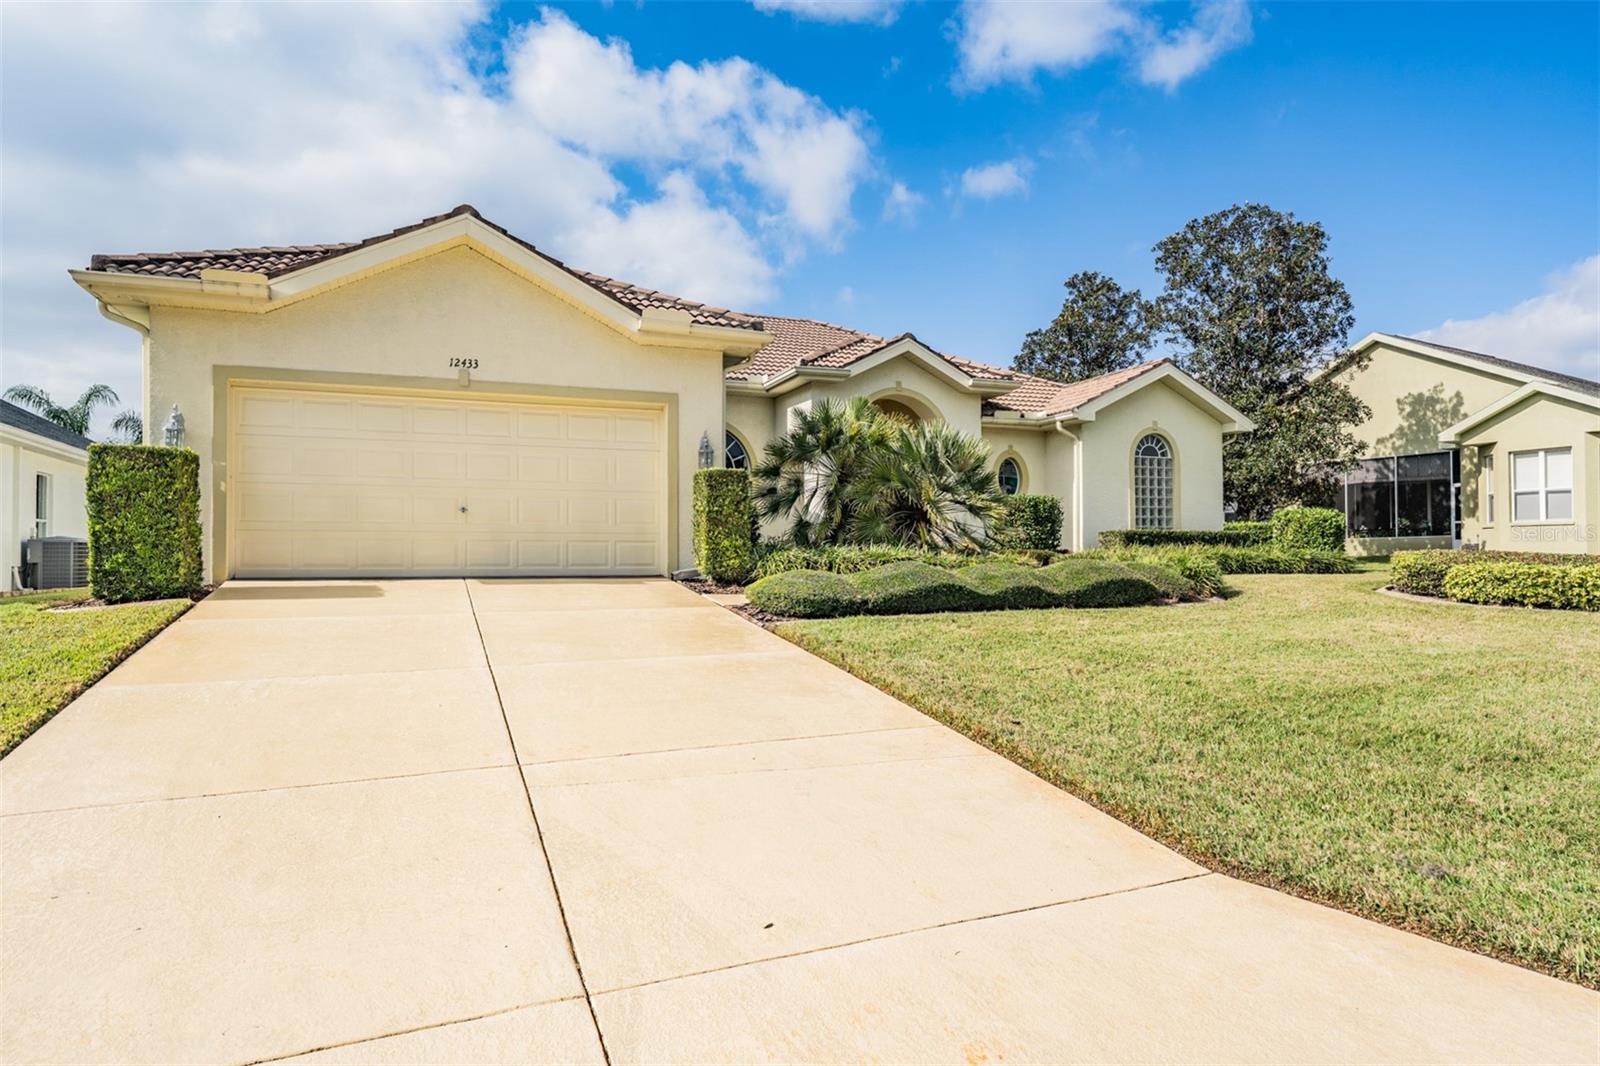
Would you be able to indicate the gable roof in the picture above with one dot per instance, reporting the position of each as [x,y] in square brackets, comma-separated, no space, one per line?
[280,260]
[25,420]
[1039,396]
[1524,372]
[1452,435]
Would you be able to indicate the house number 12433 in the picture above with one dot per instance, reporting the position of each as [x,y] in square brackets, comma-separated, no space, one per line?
[463,364]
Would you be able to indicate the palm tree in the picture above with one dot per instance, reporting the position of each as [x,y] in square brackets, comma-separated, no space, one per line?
[804,477]
[931,486]
[129,427]
[77,417]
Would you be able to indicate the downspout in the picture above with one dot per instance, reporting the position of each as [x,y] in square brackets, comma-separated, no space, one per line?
[1075,541]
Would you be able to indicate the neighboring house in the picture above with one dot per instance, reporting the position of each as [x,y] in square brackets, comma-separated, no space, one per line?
[1468,448]
[447,399]
[42,469]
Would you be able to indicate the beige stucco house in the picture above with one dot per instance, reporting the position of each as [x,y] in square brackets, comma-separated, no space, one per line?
[42,468]
[447,399]
[1469,448]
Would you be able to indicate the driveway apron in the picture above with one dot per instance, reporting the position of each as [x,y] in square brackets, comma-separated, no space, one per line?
[580,821]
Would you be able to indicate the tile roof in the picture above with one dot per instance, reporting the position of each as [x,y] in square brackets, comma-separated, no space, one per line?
[1036,396]
[284,259]
[1571,381]
[24,419]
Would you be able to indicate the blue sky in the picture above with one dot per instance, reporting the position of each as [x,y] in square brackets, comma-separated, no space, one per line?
[936,168]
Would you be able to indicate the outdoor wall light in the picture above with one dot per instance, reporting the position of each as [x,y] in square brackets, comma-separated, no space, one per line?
[172,434]
[707,456]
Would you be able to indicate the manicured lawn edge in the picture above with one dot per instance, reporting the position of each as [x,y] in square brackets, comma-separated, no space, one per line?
[32,724]
[1017,750]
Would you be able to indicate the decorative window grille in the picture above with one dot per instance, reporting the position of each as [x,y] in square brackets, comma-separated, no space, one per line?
[734,455]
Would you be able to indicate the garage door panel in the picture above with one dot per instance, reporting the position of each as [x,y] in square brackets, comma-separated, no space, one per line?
[326,484]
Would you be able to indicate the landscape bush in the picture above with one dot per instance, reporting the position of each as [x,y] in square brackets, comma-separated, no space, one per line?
[806,594]
[1159,538]
[1027,521]
[915,588]
[1097,583]
[1276,560]
[1563,586]
[144,522]
[1173,585]
[723,524]
[1308,528]
[1255,532]
[1423,572]
[854,558]
[1008,586]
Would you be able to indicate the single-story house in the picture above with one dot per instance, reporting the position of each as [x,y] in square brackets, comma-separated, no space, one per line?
[1469,448]
[41,490]
[447,399]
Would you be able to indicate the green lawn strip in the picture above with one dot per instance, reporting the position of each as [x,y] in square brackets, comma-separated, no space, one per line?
[1426,766]
[48,657]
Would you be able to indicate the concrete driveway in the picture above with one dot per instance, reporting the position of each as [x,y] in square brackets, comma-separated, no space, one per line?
[481,821]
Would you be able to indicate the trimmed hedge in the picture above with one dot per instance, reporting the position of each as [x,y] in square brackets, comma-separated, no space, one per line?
[723,524]
[1027,521]
[1276,560]
[854,558]
[807,594]
[1173,585]
[1257,532]
[1160,538]
[144,522]
[1566,587]
[1423,573]
[1310,528]
[917,588]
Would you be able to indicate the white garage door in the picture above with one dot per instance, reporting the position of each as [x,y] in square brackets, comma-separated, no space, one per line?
[325,484]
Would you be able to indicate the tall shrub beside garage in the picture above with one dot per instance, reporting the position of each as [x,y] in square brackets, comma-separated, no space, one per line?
[144,522]
[724,546]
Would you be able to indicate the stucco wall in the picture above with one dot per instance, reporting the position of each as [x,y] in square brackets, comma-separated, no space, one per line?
[1108,442]
[406,323]
[20,462]
[1414,398]
[907,381]
[1537,423]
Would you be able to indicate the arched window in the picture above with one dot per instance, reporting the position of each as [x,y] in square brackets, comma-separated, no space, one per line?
[1152,483]
[1010,475]
[734,457]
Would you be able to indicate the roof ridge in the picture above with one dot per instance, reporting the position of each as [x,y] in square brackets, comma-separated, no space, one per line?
[1554,377]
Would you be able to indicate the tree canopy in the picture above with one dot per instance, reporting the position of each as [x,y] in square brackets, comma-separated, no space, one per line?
[1101,327]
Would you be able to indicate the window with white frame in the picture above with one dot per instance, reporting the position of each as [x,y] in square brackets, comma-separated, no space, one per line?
[1488,488]
[41,505]
[1152,483]
[1541,485]
[734,455]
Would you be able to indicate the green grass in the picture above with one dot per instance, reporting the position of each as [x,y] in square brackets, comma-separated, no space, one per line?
[1433,766]
[48,657]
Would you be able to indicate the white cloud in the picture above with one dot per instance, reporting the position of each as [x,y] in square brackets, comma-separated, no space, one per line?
[126,128]
[1218,26]
[902,204]
[1002,41]
[1559,329]
[882,12]
[845,296]
[992,180]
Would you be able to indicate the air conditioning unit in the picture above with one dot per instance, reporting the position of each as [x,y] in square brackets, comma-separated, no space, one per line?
[55,562]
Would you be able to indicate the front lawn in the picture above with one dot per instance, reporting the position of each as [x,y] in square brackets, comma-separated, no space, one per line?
[48,657]
[1429,765]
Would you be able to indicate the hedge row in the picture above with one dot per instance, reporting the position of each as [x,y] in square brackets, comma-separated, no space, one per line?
[144,522]
[1027,521]
[1423,573]
[1513,584]
[1294,528]
[911,587]
[854,558]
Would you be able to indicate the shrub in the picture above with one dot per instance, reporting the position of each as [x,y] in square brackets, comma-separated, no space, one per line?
[1276,560]
[1027,521]
[1573,588]
[1173,585]
[1156,538]
[915,588]
[1006,586]
[854,558]
[1312,528]
[1254,532]
[723,548]
[806,594]
[1422,573]
[1097,583]
[144,522]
